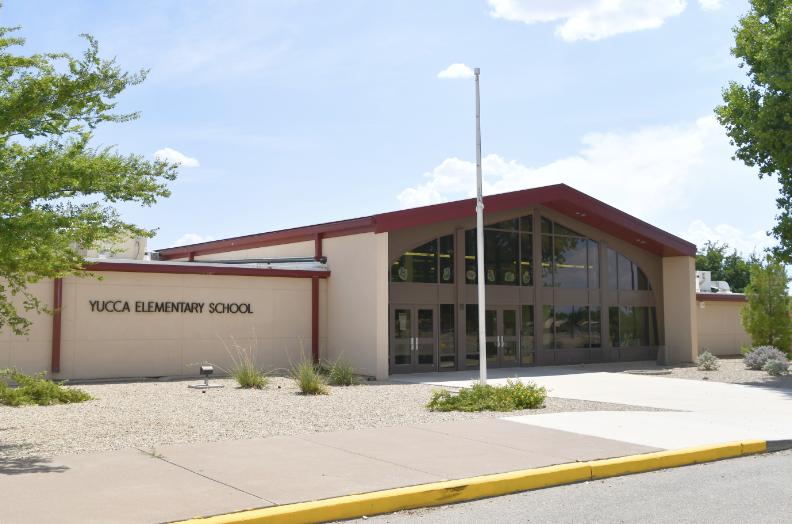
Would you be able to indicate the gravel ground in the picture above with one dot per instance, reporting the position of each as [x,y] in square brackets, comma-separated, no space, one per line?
[732,371]
[146,414]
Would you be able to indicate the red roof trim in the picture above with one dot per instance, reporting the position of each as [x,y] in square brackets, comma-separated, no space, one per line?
[559,197]
[183,269]
[720,297]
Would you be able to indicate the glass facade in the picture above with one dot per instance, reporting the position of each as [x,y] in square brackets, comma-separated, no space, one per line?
[430,263]
[569,260]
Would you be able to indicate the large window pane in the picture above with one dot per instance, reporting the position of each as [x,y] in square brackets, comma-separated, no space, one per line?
[593,264]
[654,340]
[641,282]
[613,324]
[547,226]
[625,273]
[613,273]
[491,322]
[417,265]
[402,330]
[470,257]
[513,224]
[594,322]
[570,262]
[526,223]
[527,332]
[471,335]
[642,325]
[447,337]
[571,327]
[500,257]
[447,259]
[558,229]
[627,328]
[425,323]
[526,259]
[548,328]
[547,261]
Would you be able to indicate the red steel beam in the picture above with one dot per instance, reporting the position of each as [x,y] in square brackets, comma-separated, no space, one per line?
[720,297]
[318,246]
[315,318]
[56,325]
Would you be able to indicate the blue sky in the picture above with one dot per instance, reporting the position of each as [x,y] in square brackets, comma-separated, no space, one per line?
[290,113]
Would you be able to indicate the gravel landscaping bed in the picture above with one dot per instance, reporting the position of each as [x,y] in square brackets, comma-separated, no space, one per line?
[146,414]
[732,371]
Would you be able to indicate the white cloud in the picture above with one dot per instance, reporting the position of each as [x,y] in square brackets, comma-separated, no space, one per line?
[191,238]
[670,163]
[591,19]
[699,234]
[711,5]
[174,156]
[456,71]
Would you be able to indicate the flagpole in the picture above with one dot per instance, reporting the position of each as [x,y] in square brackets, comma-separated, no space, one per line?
[480,244]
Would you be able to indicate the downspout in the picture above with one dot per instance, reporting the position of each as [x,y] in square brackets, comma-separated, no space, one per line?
[56,325]
[315,318]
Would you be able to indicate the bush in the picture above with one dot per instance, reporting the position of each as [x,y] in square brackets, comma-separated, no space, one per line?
[244,369]
[708,362]
[308,377]
[776,367]
[35,390]
[758,357]
[340,372]
[484,397]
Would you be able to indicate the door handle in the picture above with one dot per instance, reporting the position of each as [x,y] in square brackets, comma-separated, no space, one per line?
[412,344]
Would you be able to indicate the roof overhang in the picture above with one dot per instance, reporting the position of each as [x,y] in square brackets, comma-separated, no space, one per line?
[560,198]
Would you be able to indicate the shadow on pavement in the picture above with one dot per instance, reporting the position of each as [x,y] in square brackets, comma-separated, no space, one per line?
[32,465]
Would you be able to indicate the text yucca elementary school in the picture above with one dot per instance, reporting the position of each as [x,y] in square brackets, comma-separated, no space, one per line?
[111,306]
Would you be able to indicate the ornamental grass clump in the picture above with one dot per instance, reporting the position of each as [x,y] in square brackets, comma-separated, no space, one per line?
[308,377]
[757,357]
[708,362]
[513,396]
[35,390]
[339,372]
[244,368]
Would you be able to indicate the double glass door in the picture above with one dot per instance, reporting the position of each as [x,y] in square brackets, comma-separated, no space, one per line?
[502,337]
[413,339]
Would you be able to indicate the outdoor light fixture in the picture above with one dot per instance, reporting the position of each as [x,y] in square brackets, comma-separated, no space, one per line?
[205,371]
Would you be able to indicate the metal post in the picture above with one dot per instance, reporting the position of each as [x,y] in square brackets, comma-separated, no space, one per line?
[480,245]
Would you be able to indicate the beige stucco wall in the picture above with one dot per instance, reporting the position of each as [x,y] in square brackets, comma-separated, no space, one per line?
[135,344]
[357,300]
[720,329]
[679,306]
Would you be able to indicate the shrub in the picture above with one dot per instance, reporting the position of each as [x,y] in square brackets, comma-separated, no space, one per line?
[758,357]
[308,377]
[776,367]
[708,362]
[35,390]
[340,372]
[484,397]
[244,369]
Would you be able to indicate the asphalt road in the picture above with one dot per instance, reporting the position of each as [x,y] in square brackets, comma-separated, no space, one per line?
[750,489]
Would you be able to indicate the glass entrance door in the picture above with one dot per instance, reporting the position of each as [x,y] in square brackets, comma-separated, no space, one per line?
[503,341]
[413,339]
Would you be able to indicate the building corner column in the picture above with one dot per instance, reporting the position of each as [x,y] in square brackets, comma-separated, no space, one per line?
[382,282]
[679,306]
[56,324]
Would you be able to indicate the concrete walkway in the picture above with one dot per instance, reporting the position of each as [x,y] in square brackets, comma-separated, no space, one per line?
[712,412]
[207,479]
[222,477]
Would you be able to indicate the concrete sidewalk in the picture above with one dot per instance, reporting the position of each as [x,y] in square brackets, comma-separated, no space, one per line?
[223,477]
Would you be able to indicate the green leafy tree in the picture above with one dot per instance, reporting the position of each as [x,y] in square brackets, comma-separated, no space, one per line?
[731,268]
[758,116]
[766,317]
[56,190]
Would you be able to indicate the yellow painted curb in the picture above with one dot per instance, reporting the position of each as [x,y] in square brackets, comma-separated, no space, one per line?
[438,493]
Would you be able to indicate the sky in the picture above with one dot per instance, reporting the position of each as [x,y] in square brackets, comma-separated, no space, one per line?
[292,113]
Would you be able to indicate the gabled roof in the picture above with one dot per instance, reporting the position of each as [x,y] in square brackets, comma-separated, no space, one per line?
[559,197]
